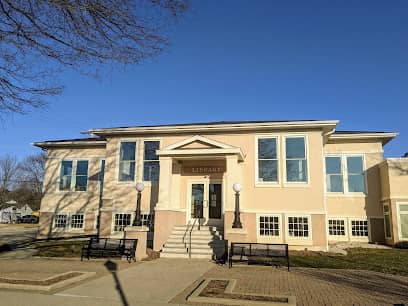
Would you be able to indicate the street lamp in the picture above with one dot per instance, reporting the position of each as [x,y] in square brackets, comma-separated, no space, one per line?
[138,220]
[237,220]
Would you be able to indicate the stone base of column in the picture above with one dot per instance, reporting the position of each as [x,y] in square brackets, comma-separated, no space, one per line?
[236,235]
[139,233]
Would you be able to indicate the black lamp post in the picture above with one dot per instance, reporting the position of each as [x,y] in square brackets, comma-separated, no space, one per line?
[237,219]
[138,218]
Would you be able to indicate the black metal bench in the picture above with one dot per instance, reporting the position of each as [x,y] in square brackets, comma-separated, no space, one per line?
[258,252]
[110,247]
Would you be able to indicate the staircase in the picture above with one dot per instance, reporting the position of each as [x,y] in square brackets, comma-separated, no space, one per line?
[205,243]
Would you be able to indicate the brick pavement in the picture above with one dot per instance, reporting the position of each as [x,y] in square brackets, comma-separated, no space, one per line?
[315,286]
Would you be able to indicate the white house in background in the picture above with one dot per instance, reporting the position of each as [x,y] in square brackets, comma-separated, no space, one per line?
[11,213]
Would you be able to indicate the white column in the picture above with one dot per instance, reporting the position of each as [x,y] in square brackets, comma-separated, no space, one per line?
[175,186]
[165,183]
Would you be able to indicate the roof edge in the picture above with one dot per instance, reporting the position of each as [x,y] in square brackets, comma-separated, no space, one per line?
[70,143]
[384,136]
[329,124]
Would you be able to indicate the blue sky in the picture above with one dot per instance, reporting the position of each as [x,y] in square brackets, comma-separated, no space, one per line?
[247,60]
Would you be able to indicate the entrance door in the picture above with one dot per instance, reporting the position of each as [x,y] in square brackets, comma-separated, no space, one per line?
[205,202]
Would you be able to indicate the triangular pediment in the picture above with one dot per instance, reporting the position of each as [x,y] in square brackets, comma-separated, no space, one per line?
[197,145]
[198,142]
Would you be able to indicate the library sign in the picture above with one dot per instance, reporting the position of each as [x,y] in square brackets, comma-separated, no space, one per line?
[204,169]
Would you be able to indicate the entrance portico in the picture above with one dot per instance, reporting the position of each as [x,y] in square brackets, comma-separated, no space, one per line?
[196,179]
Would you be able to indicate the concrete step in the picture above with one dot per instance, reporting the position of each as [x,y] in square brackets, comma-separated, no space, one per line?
[195,232]
[188,227]
[184,251]
[193,246]
[196,256]
[196,242]
[194,236]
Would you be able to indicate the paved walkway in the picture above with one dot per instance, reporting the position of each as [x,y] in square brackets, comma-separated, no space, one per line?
[162,281]
[15,237]
[315,286]
[146,283]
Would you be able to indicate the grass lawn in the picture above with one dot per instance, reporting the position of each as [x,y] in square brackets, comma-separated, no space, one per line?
[393,261]
[59,248]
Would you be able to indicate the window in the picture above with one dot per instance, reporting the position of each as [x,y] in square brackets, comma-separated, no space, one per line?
[355,174]
[77,221]
[269,226]
[81,176]
[345,174]
[78,170]
[65,175]
[337,227]
[387,221]
[121,221]
[334,175]
[403,220]
[147,220]
[359,228]
[296,163]
[267,160]
[60,221]
[298,227]
[151,165]
[127,161]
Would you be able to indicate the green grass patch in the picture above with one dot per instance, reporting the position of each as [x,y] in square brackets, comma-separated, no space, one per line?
[59,248]
[393,261]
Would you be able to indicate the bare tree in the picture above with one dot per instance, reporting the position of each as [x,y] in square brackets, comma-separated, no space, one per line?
[39,37]
[31,172]
[8,171]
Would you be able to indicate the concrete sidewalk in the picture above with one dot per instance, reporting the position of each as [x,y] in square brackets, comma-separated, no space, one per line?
[148,283]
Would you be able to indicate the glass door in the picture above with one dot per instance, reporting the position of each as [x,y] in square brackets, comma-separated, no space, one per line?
[205,202]
[197,201]
[215,197]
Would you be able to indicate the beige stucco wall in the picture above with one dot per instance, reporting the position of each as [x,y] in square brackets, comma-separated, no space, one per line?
[256,198]
[396,171]
[55,201]
[352,204]
[394,190]
[164,222]
[359,206]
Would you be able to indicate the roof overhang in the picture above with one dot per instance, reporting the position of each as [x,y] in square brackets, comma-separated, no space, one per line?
[70,144]
[383,137]
[325,125]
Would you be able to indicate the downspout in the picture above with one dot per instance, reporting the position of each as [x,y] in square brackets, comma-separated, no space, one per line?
[324,187]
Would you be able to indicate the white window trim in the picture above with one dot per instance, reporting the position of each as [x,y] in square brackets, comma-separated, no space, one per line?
[68,227]
[75,229]
[325,174]
[267,184]
[338,237]
[295,184]
[389,216]
[266,237]
[364,238]
[309,222]
[132,216]
[364,173]
[141,178]
[399,220]
[344,171]
[73,176]
[137,158]
[60,229]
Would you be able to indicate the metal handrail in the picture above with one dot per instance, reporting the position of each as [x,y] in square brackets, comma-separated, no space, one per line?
[191,230]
